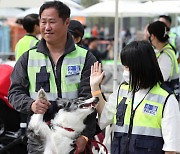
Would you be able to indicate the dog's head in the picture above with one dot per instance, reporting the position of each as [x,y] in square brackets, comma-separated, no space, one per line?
[70,105]
[73,112]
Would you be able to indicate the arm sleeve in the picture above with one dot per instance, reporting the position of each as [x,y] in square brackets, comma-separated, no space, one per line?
[171,125]
[18,94]
[108,111]
[85,91]
[165,65]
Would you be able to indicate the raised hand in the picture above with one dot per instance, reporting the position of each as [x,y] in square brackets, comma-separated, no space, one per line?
[96,76]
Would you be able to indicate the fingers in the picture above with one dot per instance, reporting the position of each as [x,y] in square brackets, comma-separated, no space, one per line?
[40,106]
[96,68]
[99,68]
[92,69]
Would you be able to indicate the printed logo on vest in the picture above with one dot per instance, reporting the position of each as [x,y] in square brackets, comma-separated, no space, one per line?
[73,70]
[150,109]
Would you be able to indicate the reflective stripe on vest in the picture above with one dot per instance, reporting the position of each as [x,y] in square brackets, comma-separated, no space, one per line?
[148,114]
[174,74]
[139,130]
[69,83]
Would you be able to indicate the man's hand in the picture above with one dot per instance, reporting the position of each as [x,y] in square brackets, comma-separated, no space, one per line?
[81,144]
[40,106]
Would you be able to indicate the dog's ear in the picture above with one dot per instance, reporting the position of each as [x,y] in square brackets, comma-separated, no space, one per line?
[62,102]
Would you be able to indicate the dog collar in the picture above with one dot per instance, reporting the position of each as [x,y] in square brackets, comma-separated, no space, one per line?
[66,128]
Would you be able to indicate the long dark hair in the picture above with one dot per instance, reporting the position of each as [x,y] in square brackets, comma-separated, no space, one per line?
[140,57]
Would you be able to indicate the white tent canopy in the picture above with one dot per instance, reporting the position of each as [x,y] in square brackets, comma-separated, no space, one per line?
[74,12]
[32,3]
[125,9]
[132,8]
[9,12]
[171,6]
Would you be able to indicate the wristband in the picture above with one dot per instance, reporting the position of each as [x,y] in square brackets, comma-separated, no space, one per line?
[86,138]
[95,93]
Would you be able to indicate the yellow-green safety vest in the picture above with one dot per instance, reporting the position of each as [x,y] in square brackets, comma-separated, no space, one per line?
[172,39]
[174,74]
[69,80]
[24,44]
[148,114]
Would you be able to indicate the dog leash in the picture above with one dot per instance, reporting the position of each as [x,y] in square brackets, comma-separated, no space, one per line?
[90,150]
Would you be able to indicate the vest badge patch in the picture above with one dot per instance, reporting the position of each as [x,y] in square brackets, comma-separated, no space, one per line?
[150,109]
[73,70]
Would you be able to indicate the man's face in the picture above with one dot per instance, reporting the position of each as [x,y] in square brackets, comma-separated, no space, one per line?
[53,28]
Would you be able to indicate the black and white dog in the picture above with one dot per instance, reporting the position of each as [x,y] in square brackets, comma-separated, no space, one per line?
[66,126]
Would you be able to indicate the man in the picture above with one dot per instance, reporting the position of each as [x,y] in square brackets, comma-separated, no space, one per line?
[56,65]
[173,38]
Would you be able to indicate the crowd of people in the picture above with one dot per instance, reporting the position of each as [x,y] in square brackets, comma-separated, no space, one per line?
[144,110]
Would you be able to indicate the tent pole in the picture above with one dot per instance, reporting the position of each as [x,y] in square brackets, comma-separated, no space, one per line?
[115,47]
[108,131]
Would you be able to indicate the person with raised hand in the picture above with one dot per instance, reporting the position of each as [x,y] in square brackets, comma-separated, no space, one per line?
[143,110]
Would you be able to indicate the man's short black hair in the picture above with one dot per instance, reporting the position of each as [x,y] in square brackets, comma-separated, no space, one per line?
[166,17]
[63,10]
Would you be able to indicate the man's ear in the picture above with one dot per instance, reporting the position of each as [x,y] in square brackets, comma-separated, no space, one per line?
[77,39]
[67,21]
[152,36]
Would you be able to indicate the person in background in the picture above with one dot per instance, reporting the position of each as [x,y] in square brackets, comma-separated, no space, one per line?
[95,31]
[158,36]
[58,66]
[146,34]
[101,33]
[173,38]
[93,47]
[31,24]
[77,31]
[144,111]
[85,43]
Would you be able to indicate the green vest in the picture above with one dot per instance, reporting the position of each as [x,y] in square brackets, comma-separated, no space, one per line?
[71,69]
[172,39]
[24,44]
[147,115]
[174,74]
